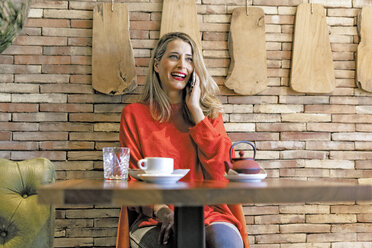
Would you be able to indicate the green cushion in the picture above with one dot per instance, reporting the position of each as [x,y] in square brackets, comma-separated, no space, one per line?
[24,222]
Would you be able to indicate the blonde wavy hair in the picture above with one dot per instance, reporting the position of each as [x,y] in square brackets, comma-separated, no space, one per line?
[154,95]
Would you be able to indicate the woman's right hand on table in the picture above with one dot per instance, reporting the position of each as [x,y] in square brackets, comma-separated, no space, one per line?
[166,217]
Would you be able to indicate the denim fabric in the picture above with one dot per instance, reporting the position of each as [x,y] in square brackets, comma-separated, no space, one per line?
[223,235]
[217,235]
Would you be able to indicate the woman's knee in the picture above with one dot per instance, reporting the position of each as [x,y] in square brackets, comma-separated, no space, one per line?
[223,235]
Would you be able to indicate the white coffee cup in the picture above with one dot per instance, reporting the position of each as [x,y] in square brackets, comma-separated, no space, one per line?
[156,165]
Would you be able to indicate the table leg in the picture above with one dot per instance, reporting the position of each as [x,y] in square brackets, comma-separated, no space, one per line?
[189,226]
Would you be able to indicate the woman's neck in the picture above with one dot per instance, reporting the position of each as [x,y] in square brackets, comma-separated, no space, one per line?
[175,97]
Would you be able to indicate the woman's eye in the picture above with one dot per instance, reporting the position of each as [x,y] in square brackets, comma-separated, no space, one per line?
[189,59]
[173,56]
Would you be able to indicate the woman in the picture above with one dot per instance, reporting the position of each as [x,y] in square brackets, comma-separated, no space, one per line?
[179,117]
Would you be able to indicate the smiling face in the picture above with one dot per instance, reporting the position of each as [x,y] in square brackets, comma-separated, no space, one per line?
[175,68]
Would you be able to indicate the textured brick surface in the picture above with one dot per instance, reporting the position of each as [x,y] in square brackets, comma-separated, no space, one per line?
[48,108]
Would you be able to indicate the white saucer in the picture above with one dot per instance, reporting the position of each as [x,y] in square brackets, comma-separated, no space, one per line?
[246,177]
[181,171]
[135,172]
[160,178]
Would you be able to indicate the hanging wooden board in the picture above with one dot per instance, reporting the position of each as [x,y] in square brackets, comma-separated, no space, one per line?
[180,16]
[247,73]
[364,52]
[312,65]
[113,68]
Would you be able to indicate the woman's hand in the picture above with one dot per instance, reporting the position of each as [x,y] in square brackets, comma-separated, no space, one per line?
[166,217]
[193,99]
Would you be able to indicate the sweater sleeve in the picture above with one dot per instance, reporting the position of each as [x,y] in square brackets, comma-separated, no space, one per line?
[128,136]
[213,146]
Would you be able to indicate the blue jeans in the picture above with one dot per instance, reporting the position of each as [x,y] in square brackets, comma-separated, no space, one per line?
[217,235]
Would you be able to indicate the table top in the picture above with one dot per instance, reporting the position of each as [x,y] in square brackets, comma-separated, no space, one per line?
[88,191]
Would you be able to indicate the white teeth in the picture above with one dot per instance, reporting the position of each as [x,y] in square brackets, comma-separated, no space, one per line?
[179,75]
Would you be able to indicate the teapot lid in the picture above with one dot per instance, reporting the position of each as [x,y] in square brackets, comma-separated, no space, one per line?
[241,156]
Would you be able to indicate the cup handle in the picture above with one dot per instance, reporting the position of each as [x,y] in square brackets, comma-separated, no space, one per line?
[142,164]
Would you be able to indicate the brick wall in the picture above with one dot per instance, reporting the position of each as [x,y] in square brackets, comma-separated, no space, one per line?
[48,108]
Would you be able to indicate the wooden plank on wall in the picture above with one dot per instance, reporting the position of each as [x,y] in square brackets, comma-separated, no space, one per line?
[180,16]
[312,65]
[113,68]
[364,52]
[247,46]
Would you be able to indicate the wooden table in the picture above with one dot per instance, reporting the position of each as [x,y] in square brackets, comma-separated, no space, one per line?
[189,198]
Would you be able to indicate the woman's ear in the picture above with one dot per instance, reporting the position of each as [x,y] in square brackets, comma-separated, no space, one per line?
[156,65]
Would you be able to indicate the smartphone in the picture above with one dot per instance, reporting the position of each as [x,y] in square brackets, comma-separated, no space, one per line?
[190,83]
[191,79]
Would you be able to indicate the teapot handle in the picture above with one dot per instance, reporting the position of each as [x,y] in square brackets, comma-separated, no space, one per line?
[247,142]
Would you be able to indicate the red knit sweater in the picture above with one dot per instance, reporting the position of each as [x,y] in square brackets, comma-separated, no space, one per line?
[202,148]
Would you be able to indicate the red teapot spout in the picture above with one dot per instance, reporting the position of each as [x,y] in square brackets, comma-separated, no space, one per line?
[228,166]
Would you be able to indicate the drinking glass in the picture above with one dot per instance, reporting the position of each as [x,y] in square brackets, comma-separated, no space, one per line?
[116,163]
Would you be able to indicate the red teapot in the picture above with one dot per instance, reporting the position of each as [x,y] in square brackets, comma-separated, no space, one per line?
[243,165]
